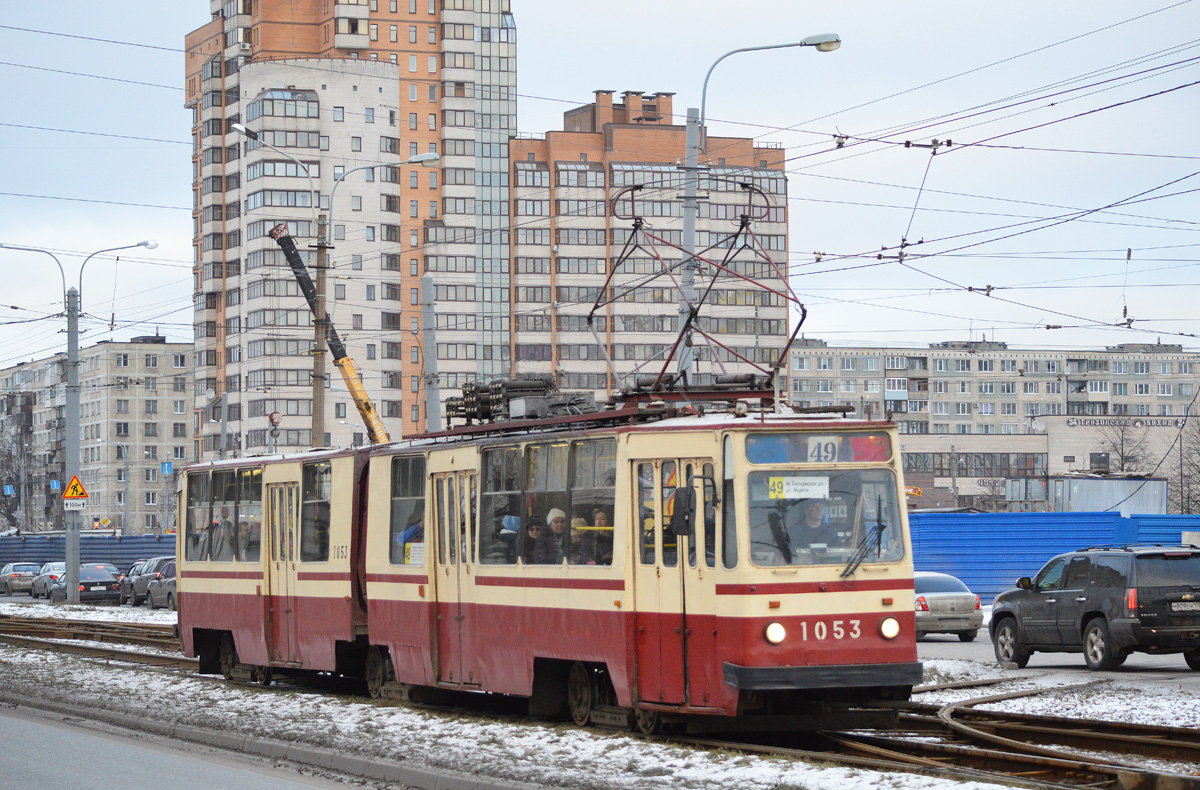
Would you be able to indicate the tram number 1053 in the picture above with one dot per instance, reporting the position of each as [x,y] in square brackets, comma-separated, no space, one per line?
[838,629]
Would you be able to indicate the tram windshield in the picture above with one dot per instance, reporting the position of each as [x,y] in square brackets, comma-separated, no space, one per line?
[824,517]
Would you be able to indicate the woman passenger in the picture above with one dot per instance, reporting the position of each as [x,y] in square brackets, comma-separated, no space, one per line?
[535,526]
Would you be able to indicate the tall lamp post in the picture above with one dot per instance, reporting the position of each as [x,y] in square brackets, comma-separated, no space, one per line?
[696,142]
[71,429]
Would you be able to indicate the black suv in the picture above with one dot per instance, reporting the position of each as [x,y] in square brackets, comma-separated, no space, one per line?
[1106,602]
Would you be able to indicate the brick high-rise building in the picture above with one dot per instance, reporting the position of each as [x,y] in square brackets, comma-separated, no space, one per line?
[339,85]
[566,239]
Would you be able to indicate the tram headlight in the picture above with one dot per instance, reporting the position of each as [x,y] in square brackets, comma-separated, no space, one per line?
[775,633]
[889,628]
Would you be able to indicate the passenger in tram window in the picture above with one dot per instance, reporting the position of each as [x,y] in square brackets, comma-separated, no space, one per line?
[528,540]
[583,542]
[604,536]
[551,545]
[223,540]
[814,529]
[252,547]
[198,549]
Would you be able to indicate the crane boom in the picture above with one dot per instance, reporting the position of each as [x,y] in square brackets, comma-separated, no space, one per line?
[337,348]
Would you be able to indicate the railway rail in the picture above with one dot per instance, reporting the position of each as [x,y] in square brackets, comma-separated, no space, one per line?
[957,741]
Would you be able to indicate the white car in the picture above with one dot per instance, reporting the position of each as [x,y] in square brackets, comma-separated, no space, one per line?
[945,606]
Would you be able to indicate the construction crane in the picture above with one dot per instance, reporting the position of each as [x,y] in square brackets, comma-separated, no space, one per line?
[337,348]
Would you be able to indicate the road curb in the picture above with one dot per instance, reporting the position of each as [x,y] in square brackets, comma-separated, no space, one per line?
[300,754]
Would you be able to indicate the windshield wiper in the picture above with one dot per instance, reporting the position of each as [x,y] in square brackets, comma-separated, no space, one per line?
[875,536]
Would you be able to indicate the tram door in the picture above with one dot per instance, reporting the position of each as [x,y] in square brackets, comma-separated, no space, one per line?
[674,586]
[283,508]
[455,519]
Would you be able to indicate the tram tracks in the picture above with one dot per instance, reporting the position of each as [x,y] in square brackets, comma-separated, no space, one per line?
[958,741]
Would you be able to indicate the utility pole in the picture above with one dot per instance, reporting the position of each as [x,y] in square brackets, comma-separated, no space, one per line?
[72,442]
[433,392]
[319,321]
[691,208]
[166,476]
[22,499]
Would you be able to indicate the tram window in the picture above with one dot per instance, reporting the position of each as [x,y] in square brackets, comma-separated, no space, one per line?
[546,495]
[708,486]
[809,518]
[314,512]
[593,496]
[249,515]
[440,507]
[473,510]
[817,448]
[199,516]
[691,542]
[222,537]
[646,509]
[452,525]
[729,546]
[501,504]
[407,530]
[670,554]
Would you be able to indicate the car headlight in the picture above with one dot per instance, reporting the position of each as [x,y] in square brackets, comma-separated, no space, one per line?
[775,633]
[889,628]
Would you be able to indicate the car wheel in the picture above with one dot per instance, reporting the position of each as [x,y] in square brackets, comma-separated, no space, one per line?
[1098,649]
[967,636]
[150,600]
[7,590]
[1008,645]
[171,602]
[1192,657]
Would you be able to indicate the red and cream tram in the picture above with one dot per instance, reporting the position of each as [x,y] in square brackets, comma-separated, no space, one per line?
[627,567]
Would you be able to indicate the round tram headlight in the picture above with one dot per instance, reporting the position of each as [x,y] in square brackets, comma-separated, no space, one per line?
[775,633]
[889,628]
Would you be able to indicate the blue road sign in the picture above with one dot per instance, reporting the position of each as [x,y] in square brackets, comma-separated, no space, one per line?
[9,491]
[54,485]
[166,467]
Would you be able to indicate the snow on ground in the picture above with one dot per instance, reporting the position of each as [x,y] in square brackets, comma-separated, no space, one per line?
[18,606]
[553,755]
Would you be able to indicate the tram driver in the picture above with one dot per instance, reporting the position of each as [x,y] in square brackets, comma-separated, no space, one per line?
[813,530]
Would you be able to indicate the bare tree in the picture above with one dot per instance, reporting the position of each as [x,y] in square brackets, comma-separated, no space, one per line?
[1127,449]
[1182,470]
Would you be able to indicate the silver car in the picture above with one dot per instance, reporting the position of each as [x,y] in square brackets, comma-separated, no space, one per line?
[945,606]
[46,577]
[18,576]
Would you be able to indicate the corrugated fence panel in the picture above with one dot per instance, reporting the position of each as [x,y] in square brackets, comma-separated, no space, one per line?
[1163,529]
[121,551]
[990,551]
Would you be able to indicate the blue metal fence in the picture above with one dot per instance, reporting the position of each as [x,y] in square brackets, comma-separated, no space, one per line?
[990,551]
[121,551]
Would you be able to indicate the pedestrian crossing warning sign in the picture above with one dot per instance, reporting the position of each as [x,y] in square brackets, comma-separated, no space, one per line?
[75,490]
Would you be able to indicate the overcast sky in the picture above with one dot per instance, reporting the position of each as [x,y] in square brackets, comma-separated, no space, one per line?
[1073,127]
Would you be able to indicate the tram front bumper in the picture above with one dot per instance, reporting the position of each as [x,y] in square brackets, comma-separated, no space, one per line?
[822,677]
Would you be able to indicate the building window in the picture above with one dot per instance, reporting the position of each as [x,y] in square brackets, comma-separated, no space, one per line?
[339,114]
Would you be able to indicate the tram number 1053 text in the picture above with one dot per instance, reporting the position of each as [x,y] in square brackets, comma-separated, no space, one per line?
[838,629]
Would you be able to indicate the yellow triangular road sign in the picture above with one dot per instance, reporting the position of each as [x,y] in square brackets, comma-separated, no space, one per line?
[75,490]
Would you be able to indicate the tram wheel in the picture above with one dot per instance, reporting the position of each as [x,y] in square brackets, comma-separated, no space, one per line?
[648,722]
[229,656]
[263,675]
[580,694]
[376,672]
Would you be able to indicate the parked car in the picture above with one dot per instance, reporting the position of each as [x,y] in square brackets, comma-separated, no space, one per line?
[49,574]
[1105,602]
[161,591]
[95,585]
[127,580]
[945,606]
[18,576]
[151,569]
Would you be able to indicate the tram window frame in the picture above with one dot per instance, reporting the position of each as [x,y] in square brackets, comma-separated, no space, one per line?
[500,506]
[439,508]
[450,503]
[199,516]
[547,489]
[222,546]
[248,547]
[647,549]
[669,470]
[592,489]
[729,530]
[406,526]
[316,489]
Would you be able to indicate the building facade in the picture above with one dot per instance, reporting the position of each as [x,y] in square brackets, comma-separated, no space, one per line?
[137,414]
[986,388]
[572,222]
[341,86]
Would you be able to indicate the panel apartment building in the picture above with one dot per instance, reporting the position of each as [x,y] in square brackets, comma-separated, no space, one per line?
[339,86]
[137,413]
[982,387]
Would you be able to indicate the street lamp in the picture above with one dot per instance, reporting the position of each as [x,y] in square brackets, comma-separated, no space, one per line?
[824,42]
[72,416]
